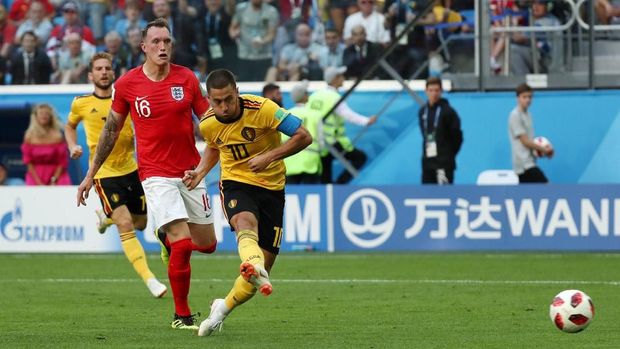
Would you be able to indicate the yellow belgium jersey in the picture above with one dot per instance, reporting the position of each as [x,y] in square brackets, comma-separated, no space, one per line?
[253,133]
[93,111]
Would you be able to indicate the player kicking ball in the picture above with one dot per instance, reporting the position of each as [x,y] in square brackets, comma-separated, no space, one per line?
[243,132]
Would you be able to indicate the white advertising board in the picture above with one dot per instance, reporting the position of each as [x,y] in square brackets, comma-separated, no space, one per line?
[47,219]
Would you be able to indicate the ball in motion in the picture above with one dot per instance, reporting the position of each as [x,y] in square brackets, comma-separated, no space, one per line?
[571,311]
[544,142]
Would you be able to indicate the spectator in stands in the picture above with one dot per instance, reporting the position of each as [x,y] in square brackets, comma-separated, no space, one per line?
[548,55]
[36,22]
[501,8]
[216,50]
[135,56]
[44,151]
[73,62]
[182,31]
[441,136]
[71,24]
[442,21]
[93,12]
[254,27]
[114,46]
[323,101]
[147,9]
[292,13]
[299,60]
[521,133]
[361,54]
[371,20]
[411,49]
[331,54]
[272,92]
[339,10]
[7,31]
[29,64]
[19,10]
[189,8]
[132,19]
[6,180]
[607,12]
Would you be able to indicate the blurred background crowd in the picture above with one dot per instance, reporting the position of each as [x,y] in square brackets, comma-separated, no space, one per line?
[49,41]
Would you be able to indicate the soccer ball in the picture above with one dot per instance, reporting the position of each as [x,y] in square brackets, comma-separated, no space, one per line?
[571,311]
[543,142]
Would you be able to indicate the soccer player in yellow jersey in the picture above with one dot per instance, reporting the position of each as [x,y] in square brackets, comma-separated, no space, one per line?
[116,182]
[243,131]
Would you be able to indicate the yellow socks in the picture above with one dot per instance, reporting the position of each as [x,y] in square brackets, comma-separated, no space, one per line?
[241,292]
[135,254]
[249,251]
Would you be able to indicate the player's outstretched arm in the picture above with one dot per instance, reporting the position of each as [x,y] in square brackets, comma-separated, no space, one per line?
[75,150]
[298,141]
[112,128]
[195,176]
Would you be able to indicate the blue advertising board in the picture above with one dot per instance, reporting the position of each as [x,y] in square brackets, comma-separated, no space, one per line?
[524,217]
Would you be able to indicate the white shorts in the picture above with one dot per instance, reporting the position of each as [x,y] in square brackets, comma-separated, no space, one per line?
[167,200]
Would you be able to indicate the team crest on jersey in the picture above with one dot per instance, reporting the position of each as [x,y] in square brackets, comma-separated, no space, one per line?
[177,93]
[248,133]
[115,197]
[232,203]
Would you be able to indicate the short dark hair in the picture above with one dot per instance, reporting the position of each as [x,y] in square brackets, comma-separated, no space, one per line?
[522,88]
[96,56]
[269,88]
[433,80]
[332,30]
[220,78]
[158,22]
[31,33]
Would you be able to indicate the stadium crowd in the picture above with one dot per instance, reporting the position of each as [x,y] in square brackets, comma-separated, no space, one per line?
[50,41]
[47,41]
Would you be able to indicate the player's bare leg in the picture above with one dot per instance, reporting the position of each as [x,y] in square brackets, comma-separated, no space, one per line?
[203,237]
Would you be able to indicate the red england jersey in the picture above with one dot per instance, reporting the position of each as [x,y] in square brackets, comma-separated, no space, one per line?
[162,117]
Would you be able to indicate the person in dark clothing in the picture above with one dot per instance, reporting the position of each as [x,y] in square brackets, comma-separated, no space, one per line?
[360,55]
[441,136]
[216,50]
[30,65]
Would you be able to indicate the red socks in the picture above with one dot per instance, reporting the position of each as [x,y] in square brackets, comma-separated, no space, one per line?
[208,249]
[203,249]
[179,273]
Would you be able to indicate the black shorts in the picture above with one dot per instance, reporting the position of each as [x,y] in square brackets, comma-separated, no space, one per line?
[122,190]
[267,205]
[533,175]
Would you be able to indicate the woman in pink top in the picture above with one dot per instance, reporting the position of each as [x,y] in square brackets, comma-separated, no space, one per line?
[44,150]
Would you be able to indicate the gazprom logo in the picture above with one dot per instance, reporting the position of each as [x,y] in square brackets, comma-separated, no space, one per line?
[368,218]
[12,229]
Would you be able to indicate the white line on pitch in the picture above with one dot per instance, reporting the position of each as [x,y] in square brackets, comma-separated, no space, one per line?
[349,281]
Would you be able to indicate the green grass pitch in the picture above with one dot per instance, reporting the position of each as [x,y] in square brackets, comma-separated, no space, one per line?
[378,300]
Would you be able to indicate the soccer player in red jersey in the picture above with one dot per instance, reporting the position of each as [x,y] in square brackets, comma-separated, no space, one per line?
[160,98]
